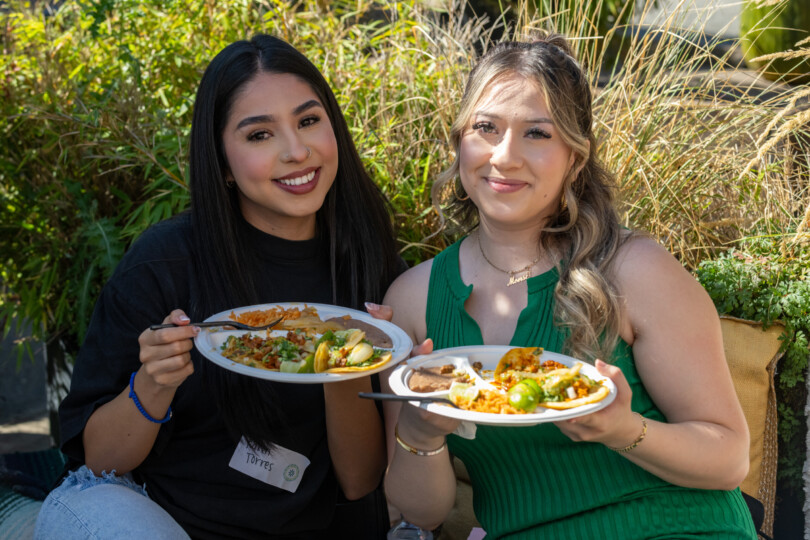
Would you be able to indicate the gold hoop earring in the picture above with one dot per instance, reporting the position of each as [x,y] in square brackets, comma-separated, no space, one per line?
[568,185]
[455,192]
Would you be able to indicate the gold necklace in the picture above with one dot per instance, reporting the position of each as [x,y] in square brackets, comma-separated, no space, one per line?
[515,276]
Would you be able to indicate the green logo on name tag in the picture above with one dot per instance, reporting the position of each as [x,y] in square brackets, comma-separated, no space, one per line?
[291,472]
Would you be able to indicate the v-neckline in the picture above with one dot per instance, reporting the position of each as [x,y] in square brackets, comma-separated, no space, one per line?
[463,292]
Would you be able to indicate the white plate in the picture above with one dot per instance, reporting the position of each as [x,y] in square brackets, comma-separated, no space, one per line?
[489,355]
[209,343]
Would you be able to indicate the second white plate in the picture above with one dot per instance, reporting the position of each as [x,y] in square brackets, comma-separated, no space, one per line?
[489,355]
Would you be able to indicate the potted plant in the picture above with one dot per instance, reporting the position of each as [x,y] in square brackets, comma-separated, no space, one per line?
[767,281]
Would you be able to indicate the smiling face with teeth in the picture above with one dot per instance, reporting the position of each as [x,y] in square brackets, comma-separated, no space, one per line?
[274,123]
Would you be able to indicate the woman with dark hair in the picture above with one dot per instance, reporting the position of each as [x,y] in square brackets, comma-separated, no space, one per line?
[547,263]
[165,444]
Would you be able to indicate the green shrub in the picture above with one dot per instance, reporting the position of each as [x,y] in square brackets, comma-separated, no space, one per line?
[767,280]
[98,101]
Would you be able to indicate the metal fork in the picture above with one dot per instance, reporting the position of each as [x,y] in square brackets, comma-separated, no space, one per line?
[237,325]
[397,397]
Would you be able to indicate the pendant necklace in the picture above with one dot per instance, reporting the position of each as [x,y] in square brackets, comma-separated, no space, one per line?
[515,276]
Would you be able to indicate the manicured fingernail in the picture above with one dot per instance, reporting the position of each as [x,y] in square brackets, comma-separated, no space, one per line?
[370,306]
[197,329]
[183,318]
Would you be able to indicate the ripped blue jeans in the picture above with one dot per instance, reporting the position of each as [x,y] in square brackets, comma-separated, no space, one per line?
[87,506]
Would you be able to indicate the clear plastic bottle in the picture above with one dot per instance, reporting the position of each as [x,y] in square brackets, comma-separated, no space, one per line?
[408,531]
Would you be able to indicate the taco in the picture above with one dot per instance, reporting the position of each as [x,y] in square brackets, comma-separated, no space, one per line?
[566,388]
[554,386]
[525,383]
[291,353]
[343,351]
[347,351]
[523,359]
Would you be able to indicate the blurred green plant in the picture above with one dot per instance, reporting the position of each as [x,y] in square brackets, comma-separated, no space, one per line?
[769,31]
[602,21]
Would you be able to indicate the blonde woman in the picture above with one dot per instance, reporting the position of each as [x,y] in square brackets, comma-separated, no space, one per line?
[546,263]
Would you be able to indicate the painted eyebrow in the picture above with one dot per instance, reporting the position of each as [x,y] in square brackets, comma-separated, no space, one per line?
[541,120]
[269,118]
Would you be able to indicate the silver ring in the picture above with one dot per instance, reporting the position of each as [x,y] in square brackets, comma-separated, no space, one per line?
[309,152]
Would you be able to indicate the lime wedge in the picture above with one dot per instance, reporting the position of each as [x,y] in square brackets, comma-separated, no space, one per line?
[290,366]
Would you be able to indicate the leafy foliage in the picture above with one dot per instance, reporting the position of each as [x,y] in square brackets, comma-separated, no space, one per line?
[98,99]
[767,280]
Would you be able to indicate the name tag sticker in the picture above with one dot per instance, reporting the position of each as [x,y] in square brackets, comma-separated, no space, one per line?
[282,468]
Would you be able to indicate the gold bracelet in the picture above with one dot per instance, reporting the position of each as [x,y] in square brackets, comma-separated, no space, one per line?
[416,451]
[637,441]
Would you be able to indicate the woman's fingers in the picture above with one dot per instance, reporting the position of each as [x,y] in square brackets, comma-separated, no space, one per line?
[178,316]
[608,370]
[623,391]
[166,353]
[166,342]
[168,335]
[169,364]
[380,311]
[172,371]
[173,354]
[386,313]
[602,425]
[426,347]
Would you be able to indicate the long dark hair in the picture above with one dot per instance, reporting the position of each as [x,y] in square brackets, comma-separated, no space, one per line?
[362,263]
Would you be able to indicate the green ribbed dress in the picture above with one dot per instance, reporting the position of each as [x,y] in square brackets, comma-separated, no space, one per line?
[534,482]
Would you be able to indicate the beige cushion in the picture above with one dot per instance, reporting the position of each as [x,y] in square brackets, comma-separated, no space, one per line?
[752,354]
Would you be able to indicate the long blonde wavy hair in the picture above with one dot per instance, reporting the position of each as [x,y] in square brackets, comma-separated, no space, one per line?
[584,234]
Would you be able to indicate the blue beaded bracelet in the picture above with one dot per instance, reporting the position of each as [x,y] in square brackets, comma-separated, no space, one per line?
[146,415]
